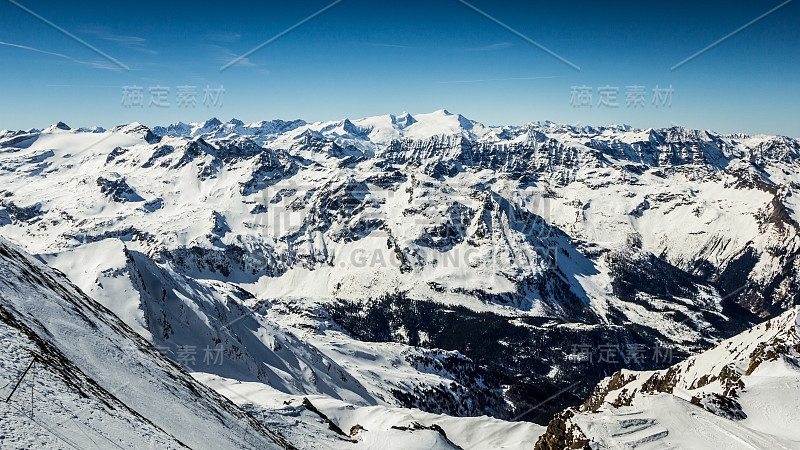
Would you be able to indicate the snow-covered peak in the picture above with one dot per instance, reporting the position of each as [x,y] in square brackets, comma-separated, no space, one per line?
[137,128]
[404,120]
[59,126]
[440,122]
[128,127]
[175,129]
[214,128]
[93,129]
[372,133]
[211,123]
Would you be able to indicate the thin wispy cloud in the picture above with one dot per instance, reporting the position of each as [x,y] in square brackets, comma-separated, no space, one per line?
[227,38]
[387,45]
[115,86]
[130,42]
[224,55]
[498,79]
[94,64]
[489,48]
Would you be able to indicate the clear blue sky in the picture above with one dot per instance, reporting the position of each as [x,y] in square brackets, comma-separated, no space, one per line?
[364,58]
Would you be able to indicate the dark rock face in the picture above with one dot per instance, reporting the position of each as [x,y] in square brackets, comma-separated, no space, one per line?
[453,231]
[12,213]
[634,272]
[473,390]
[158,153]
[115,154]
[562,435]
[118,190]
[268,167]
[518,353]
[15,140]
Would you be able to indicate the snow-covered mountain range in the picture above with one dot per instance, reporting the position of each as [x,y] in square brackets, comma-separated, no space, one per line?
[413,261]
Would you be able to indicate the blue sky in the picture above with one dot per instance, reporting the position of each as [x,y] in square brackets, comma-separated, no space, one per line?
[363,58]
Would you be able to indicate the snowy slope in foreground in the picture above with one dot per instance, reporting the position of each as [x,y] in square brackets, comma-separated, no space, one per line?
[96,383]
[373,427]
[207,317]
[743,393]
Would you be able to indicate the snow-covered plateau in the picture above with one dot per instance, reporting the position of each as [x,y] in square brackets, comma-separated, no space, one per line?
[399,281]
